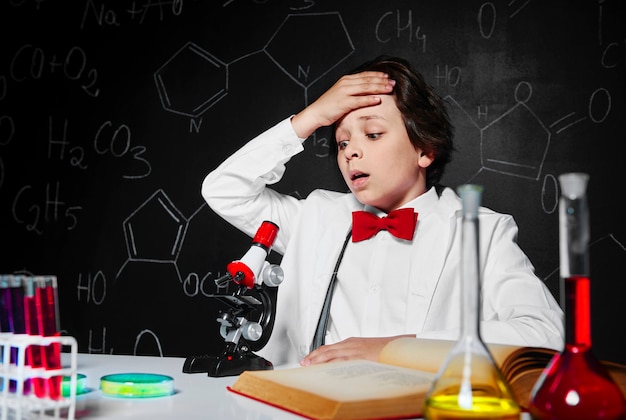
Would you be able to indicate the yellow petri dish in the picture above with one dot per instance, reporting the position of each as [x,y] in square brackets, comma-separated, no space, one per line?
[137,385]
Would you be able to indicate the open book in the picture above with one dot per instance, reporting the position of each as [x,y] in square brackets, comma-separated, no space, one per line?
[520,366]
[394,387]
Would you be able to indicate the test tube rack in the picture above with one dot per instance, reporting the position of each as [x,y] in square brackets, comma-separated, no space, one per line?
[15,404]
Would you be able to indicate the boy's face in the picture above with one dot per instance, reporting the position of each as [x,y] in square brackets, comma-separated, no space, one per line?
[376,158]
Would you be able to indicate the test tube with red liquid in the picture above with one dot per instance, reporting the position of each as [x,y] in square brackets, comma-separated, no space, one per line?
[33,352]
[48,317]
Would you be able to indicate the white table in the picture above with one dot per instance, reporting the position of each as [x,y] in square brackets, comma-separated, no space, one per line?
[197,396]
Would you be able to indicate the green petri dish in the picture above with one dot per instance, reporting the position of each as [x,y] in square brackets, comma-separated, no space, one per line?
[80,384]
[137,385]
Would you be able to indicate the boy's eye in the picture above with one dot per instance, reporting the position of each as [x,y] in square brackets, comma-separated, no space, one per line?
[373,136]
[342,144]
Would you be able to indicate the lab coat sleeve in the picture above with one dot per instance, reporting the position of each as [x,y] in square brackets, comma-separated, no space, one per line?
[236,189]
[516,305]
[517,308]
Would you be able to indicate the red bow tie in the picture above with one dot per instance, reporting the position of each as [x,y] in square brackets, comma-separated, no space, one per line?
[400,223]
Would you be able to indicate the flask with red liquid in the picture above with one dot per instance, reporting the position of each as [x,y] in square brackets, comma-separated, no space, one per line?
[575,385]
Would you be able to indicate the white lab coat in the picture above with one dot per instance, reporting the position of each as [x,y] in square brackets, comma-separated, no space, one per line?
[517,308]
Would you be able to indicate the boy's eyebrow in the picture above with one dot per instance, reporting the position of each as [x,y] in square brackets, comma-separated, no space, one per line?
[372,117]
[339,126]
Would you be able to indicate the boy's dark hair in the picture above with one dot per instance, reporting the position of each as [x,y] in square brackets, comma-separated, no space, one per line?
[423,112]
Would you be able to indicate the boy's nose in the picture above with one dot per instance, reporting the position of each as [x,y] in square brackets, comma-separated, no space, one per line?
[352,152]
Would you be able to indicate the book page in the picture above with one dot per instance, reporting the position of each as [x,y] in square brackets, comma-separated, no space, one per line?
[415,353]
[349,389]
[350,380]
[429,355]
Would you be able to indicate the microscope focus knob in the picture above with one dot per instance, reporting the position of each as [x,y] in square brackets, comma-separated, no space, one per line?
[272,275]
[252,331]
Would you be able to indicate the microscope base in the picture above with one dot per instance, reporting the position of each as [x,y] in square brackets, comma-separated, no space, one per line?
[226,364]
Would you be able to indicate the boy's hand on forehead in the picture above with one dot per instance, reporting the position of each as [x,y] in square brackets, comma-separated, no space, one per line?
[350,92]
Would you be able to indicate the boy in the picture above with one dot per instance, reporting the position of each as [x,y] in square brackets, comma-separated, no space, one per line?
[393,141]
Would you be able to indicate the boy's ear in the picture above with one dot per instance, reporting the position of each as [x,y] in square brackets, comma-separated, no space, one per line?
[425,159]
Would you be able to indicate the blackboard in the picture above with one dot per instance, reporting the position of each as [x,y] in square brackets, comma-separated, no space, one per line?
[112,113]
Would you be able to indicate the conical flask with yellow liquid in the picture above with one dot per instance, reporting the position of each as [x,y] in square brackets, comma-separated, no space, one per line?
[469,384]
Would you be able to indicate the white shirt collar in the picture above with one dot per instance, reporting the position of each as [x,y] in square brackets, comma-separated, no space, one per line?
[422,204]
